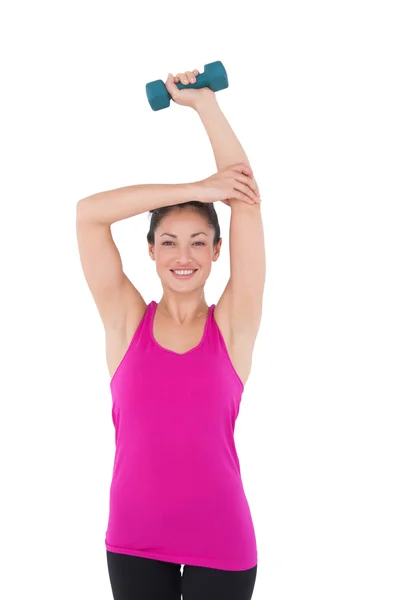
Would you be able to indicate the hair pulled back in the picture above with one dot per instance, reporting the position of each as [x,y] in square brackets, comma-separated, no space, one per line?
[206,209]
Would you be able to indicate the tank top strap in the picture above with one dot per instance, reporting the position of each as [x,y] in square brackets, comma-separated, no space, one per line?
[216,344]
[214,334]
[142,332]
[148,318]
[210,333]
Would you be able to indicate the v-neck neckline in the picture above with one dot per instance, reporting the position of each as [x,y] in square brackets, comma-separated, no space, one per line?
[155,304]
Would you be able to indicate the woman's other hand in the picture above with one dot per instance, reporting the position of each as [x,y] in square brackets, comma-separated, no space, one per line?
[191,97]
[232,183]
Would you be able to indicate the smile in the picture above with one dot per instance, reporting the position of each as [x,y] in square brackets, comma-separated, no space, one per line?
[183,274]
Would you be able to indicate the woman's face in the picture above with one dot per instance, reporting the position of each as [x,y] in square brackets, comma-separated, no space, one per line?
[184,241]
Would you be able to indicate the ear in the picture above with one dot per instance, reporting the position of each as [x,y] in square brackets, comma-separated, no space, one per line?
[217,250]
[151,252]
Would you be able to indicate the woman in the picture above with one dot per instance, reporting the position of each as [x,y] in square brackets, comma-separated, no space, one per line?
[178,370]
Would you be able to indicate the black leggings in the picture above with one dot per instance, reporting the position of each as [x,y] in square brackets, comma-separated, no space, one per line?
[138,578]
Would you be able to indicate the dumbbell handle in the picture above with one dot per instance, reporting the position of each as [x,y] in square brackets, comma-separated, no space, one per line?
[214,77]
[201,81]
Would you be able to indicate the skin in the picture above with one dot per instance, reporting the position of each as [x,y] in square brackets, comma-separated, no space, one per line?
[183,300]
[180,313]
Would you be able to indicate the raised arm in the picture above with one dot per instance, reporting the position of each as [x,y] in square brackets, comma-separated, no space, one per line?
[224,142]
[115,296]
[243,296]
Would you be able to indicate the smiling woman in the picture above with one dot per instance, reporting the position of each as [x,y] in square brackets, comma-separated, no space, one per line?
[195,244]
[178,368]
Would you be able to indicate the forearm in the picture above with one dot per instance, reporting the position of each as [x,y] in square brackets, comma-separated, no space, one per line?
[115,205]
[226,146]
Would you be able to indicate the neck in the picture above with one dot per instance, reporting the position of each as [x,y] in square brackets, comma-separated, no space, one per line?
[183,307]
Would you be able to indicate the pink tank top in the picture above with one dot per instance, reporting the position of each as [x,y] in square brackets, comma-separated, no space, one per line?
[176,493]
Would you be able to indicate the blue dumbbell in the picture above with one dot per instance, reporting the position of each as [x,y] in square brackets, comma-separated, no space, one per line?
[214,77]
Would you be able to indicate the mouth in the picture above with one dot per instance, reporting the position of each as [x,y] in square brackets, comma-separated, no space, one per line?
[188,276]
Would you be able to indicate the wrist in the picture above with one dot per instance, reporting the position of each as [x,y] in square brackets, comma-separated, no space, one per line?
[191,191]
[205,105]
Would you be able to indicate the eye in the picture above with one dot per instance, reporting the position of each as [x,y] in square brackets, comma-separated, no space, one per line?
[169,242]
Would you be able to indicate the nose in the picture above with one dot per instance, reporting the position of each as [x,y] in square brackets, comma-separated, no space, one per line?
[184,257]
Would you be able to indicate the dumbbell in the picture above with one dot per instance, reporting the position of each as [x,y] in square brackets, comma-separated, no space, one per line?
[214,77]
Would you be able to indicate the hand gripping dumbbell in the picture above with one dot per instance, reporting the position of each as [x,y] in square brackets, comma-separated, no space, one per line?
[214,77]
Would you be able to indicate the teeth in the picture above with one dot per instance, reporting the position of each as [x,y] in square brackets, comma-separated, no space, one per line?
[184,272]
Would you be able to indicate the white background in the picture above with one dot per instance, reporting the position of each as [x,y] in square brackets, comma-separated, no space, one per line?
[314,98]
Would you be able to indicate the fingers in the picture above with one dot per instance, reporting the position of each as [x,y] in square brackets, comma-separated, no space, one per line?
[172,78]
[191,77]
[187,77]
[246,193]
[242,168]
[248,181]
[171,85]
[246,176]
[183,78]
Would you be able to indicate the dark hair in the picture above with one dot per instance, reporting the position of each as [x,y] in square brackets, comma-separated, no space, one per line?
[207,209]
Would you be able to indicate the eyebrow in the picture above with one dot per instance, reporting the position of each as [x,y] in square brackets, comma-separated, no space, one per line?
[193,234]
